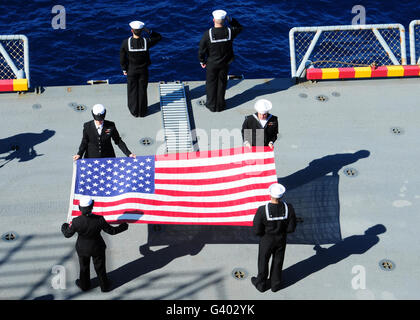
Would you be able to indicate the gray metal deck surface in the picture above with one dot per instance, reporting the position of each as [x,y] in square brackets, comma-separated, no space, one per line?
[357,115]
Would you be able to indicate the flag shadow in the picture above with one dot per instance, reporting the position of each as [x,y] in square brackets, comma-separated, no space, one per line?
[315,202]
[313,192]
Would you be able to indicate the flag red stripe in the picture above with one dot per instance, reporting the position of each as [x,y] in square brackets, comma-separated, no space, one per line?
[216,167]
[211,153]
[176,193]
[216,180]
[76,213]
[236,223]
[179,203]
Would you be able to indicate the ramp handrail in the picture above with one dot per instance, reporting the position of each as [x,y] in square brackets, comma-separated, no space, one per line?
[390,48]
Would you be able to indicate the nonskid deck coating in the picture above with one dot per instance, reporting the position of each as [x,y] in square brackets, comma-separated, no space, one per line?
[36,182]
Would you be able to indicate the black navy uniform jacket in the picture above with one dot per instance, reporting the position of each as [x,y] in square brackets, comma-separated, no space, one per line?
[89,241]
[275,220]
[134,53]
[251,124]
[219,53]
[94,145]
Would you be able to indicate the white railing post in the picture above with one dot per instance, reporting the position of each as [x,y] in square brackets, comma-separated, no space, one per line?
[412,32]
[308,53]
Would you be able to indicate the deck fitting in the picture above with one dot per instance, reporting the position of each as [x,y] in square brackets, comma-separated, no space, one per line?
[387,265]
[350,172]
[80,108]
[397,131]
[239,273]
[322,98]
[335,94]
[201,102]
[303,95]
[147,141]
[9,236]
[36,106]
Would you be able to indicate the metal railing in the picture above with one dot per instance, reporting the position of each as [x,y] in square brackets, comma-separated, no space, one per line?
[414,30]
[14,57]
[346,46]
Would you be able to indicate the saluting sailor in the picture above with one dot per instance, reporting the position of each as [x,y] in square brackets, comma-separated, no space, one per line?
[260,128]
[272,223]
[135,60]
[215,55]
[97,135]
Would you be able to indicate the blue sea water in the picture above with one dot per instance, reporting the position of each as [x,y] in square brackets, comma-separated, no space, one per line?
[88,48]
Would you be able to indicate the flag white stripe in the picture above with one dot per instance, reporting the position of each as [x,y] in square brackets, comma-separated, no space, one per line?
[139,206]
[216,186]
[135,217]
[161,197]
[243,157]
[216,174]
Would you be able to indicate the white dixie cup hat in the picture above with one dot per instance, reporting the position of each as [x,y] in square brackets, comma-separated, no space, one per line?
[219,14]
[276,190]
[263,106]
[136,25]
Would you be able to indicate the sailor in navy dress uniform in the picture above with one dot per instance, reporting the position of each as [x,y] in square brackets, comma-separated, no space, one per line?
[135,60]
[215,55]
[97,135]
[90,244]
[260,128]
[272,222]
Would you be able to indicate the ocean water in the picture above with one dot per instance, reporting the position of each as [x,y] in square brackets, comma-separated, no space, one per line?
[88,47]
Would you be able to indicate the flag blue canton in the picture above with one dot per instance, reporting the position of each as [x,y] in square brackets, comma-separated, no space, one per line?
[107,177]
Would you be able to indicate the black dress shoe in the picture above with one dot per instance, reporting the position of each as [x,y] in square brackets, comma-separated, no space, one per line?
[107,287]
[77,282]
[260,287]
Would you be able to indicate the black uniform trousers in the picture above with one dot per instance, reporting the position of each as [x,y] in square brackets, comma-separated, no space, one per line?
[137,93]
[271,246]
[100,269]
[216,83]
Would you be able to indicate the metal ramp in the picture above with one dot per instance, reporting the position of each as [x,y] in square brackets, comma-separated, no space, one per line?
[175,117]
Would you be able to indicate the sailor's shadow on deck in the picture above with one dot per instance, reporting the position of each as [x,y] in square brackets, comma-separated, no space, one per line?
[264,88]
[267,87]
[321,167]
[21,146]
[357,244]
[150,261]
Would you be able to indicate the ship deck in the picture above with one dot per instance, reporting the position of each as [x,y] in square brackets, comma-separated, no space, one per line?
[347,152]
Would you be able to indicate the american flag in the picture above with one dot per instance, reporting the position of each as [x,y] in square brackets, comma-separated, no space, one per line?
[219,187]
